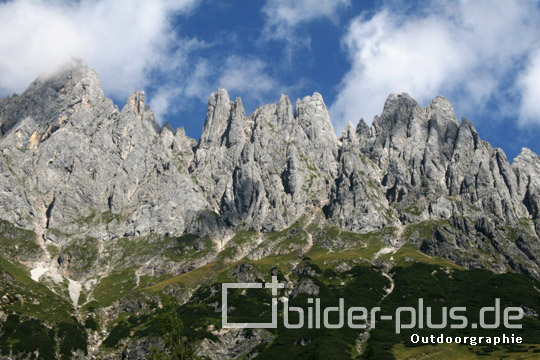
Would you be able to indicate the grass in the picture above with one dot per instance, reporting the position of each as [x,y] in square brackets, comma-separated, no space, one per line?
[18,244]
[188,248]
[349,246]
[105,217]
[38,320]
[409,254]
[85,251]
[360,286]
[464,352]
[112,288]
[125,247]
[39,301]
[282,262]
[191,279]
[198,314]
[414,210]
[233,249]
[423,230]
[472,289]
[415,275]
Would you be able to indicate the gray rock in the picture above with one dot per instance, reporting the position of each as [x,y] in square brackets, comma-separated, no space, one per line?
[74,165]
[266,170]
[233,344]
[358,202]
[305,286]
[83,167]
[527,168]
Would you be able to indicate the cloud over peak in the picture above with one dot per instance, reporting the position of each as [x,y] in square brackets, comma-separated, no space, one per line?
[283,16]
[469,51]
[123,40]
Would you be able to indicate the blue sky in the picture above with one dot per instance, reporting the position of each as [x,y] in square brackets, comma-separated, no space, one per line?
[484,56]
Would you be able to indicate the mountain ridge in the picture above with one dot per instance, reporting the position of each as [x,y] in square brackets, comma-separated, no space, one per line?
[107,216]
[259,172]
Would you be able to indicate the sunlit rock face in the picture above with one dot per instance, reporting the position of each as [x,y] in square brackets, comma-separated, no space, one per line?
[73,163]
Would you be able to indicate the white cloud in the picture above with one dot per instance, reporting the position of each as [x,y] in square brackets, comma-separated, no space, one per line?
[248,76]
[243,76]
[128,43]
[529,83]
[464,49]
[250,79]
[123,40]
[161,101]
[283,16]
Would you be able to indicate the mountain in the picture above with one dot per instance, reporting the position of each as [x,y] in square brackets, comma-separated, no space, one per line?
[105,212]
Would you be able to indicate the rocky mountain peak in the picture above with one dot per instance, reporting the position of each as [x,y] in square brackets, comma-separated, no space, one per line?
[398,102]
[54,97]
[349,132]
[402,113]
[73,72]
[527,168]
[312,114]
[442,109]
[526,156]
[135,103]
[73,83]
[285,112]
[467,138]
[217,118]
[311,104]
[261,172]
[362,129]
[284,100]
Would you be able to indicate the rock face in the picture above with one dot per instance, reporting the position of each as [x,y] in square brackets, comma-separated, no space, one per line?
[527,167]
[73,164]
[266,170]
[358,201]
[436,167]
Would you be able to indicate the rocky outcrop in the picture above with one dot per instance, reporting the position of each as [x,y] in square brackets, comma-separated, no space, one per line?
[266,170]
[358,202]
[233,344]
[73,163]
[435,167]
[527,168]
